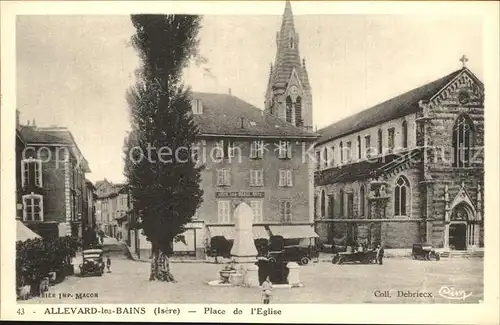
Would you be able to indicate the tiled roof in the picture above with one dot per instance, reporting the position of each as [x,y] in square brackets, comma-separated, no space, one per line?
[51,135]
[366,169]
[399,106]
[227,115]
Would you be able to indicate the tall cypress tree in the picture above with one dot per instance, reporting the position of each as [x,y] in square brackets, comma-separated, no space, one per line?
[163,179]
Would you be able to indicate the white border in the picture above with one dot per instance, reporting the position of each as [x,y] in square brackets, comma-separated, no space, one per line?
[388,314]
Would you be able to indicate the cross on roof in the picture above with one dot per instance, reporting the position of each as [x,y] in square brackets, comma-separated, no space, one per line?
[464,60]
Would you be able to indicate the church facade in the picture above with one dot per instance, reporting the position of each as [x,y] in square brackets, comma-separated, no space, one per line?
[408,170]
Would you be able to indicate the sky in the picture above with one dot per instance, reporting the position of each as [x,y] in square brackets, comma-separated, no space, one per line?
[74,70]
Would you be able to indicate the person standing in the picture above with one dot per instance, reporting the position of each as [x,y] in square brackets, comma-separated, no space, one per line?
[380,254]
[108,263]
[267,286]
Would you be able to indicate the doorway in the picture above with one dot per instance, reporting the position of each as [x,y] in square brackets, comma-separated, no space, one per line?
[458,236]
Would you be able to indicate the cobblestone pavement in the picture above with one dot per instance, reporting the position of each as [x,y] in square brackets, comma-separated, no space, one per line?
[323,283]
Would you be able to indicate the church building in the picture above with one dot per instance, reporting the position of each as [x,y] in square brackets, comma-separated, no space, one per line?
[408,170]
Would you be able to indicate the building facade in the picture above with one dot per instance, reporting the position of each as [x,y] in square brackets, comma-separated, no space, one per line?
[408,170]
[50,180]
[252,157]
[112,206]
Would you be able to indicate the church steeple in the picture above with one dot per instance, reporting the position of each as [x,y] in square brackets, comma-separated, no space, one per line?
[288,94]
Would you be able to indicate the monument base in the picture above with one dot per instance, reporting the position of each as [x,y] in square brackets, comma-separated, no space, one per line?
[244,259]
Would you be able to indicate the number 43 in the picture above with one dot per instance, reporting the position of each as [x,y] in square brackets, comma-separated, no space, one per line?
[20,311]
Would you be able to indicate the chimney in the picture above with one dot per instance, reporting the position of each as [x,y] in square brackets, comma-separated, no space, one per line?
[18,115]
[28,123]
[242,125]
[34,124]
[229,91]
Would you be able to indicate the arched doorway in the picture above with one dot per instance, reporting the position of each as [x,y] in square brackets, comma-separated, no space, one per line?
[460,230]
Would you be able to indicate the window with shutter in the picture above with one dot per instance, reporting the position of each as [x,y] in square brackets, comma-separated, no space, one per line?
[31,172]
[282,177]
[285,211]
[224,213]
[32,207]
[289,178]
[257,211]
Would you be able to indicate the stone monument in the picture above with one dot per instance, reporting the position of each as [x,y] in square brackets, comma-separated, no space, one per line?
[243,250]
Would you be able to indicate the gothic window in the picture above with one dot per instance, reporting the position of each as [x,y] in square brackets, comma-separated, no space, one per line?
[323,204]
[331,205]
[390,139]
[463,133]
[362,200]
[368,149]
[350,205]
[359,147]
[298,112]
[341,152]
[379,141]
[341,205]
[289,109]
[405,134]
[401,196]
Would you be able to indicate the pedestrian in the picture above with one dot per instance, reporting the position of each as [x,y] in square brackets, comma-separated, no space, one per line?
[380,254]
[108,263]
[267,286]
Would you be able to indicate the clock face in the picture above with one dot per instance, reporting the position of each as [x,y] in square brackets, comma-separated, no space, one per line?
[294,90]
[463,97]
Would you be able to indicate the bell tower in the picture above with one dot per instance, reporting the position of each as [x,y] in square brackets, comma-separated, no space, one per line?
[288,94]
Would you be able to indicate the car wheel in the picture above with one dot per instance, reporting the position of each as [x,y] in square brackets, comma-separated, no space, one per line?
[335,260]
[304,261]
[370,260]
[428,256]
[438,257]
[414,257]
[340,260]
[272,260]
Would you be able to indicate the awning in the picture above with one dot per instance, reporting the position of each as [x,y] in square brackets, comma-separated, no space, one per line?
[225,231]
[295,231]
[228,232]
[259,232]
[25,233]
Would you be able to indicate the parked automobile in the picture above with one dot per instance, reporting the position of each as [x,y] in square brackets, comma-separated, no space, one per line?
[93,263]
[368,256]
[302,253]
[424,251]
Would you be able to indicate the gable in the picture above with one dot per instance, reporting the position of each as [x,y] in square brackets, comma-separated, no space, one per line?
[464,89]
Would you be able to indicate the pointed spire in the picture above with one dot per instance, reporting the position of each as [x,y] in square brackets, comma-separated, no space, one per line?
[287,21]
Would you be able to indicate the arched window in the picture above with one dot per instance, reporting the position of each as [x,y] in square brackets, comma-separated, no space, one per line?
[341,205]
[341,152]
[463,141]
[298,112]
[405,135]
[289,109]
[331,205]
[379,141]
[359,147]
[362,200]
[401,196]
[323,204]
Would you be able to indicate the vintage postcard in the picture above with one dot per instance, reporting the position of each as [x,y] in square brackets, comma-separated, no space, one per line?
[197,160]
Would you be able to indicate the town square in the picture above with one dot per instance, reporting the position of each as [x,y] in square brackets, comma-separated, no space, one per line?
[265,159]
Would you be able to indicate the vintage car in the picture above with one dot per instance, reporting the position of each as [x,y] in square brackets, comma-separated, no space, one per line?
[425,252]
[93,263]
[367,256]
[301,253]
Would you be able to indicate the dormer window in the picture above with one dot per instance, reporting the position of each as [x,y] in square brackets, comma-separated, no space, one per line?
[197,106]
